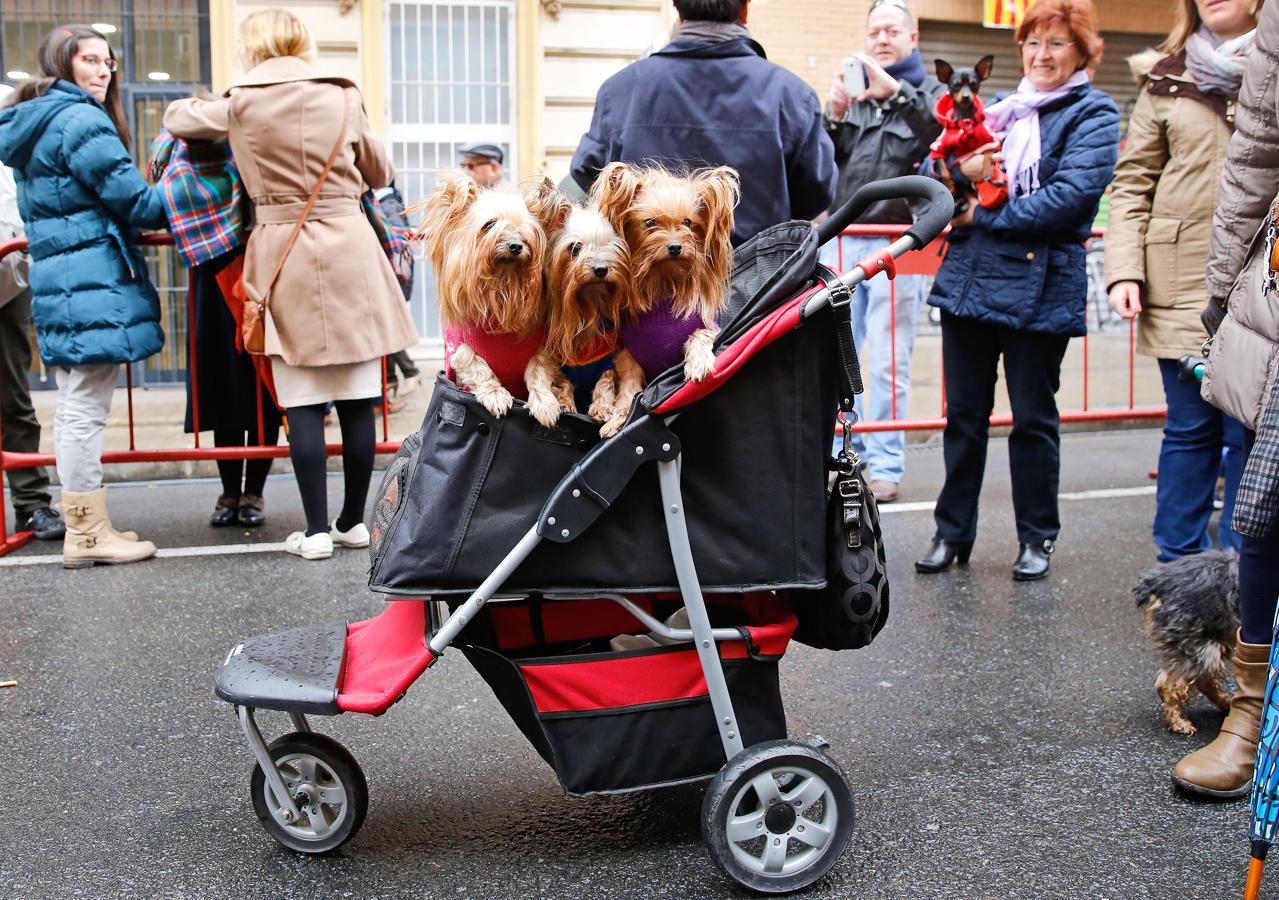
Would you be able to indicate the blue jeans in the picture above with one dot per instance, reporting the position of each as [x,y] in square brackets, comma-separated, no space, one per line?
[872,314]
[1196,435]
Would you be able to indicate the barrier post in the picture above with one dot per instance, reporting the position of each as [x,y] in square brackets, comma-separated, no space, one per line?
[18,539]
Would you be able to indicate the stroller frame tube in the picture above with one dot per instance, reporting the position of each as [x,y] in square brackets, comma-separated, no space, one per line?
[698,618]
[856,275]
[262,754]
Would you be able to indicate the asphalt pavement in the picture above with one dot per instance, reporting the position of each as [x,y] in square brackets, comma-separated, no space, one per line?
[1002,740]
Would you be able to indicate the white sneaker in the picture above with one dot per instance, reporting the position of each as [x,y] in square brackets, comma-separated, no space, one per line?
[317,546]
[356,536]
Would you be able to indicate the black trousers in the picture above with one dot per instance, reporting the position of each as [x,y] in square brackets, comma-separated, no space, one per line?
[1032,367]
[18,423]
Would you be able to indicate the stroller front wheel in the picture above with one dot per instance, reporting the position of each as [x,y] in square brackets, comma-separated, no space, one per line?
[327,786]
[777,817]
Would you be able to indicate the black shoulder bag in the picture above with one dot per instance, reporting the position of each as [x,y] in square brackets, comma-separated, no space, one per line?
[853,607]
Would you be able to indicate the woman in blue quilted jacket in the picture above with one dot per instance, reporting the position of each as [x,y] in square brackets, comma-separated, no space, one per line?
[67,140]
[1013,283]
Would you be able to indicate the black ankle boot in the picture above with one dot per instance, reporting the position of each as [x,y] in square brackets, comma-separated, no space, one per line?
[1032,561]
[941,554]
[224,512]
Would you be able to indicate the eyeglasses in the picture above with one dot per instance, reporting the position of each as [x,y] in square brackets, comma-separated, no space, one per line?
[1056,45]
[93,61]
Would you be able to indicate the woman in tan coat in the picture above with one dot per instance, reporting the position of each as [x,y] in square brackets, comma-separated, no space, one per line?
[335,309]
[1164,194]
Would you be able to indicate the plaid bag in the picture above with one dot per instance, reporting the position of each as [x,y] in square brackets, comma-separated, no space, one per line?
[396,239]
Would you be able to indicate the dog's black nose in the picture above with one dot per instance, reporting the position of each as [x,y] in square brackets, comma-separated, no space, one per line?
[600,270]
[515,247]
[674,249]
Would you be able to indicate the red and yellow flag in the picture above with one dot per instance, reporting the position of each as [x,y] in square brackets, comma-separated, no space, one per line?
[1004,13]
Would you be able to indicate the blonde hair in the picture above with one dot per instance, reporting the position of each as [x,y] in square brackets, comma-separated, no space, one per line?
[1188,23]
[269,33]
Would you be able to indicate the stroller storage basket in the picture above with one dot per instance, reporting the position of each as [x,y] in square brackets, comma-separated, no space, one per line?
[611,721]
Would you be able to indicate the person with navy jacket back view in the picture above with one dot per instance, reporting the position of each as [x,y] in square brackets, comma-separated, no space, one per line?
[711,98]
[83,200]
[1014,284]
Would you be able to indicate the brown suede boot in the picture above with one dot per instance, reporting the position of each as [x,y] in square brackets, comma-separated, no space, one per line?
[1223,769]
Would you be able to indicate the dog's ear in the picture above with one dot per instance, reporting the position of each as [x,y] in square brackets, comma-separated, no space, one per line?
[614,192]
[944,70]
[452,196]
[983,67]
[550,205]
[719,190]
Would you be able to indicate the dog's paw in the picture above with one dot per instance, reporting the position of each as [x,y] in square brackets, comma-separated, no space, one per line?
[699,366]
[545,408]
[497,400]
[612,426]
[1181,726]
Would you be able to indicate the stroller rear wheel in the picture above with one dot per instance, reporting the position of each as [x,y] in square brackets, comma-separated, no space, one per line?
[777,817]
[327,786]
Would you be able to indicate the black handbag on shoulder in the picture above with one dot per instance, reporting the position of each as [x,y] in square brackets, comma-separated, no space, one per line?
[853,607]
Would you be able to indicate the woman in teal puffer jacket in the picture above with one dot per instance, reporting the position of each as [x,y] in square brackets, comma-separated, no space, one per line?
[83,200]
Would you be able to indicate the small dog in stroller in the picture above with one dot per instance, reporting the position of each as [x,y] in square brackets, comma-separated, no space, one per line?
[487,249]
[589,289]
[679,230]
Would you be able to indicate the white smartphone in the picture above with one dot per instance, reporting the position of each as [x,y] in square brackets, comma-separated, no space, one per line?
[854,77]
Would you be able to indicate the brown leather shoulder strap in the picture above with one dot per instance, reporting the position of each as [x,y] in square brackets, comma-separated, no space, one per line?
[310,201]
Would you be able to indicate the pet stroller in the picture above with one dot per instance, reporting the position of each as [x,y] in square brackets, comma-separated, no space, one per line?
[533,547]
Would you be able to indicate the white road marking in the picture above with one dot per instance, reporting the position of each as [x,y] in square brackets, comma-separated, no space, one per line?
[1099,494]
[163,553]
[239,549]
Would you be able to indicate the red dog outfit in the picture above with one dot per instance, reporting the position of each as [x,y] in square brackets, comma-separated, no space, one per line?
[960,137]
[507,354]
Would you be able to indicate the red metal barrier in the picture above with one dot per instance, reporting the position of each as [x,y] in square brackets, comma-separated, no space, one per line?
[10,461]
[926,262]
[922,262]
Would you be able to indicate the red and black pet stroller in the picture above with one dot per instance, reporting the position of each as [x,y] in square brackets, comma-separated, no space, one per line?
[533,547]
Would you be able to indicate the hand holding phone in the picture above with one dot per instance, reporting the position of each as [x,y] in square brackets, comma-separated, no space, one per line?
[854,77]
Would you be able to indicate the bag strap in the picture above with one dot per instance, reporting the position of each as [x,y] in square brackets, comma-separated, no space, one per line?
[310,201]
[841,299]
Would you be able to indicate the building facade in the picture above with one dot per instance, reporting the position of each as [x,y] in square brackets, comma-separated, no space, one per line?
[518,73]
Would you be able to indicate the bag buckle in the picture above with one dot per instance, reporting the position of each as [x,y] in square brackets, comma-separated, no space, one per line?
[840,294]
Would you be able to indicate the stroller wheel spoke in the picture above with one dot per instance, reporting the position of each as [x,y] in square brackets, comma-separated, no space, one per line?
[306,768]
[774,854]
[811,833]
[331,795]
[745,828]
[809,791]
[766,789]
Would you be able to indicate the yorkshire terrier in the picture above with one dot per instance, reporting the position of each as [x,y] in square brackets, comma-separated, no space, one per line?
[964,130]
[1192,615]
[589,289]
[679,230]
[487,249]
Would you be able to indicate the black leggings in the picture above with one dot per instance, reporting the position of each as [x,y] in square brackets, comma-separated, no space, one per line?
[306,448]
[253,472]
[1258,579]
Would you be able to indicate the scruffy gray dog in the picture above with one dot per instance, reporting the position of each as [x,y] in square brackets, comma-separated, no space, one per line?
[1192,614]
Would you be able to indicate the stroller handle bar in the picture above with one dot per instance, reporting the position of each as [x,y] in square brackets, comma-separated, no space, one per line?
[941,207]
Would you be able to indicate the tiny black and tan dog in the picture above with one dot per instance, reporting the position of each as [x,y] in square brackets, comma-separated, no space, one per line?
[1192,614]
[964,130]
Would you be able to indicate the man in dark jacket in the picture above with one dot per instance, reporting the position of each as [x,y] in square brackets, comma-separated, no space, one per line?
[710,98]
[883,132]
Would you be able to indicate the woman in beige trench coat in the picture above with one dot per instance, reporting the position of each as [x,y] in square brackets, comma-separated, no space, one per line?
[336,308]
[1162,200]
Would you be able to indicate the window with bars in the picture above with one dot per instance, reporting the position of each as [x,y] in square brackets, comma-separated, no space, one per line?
[449,82]
[163,50]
